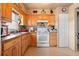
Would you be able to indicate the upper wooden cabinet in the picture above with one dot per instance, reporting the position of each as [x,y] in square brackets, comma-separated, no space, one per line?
[34,18]
[9,11]
[6,11]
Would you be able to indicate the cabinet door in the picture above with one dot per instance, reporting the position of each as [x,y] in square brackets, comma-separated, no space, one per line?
[0,10]
[19,46]
[33,39]
[53,39]
[8,52]
[23,44]
[13,47]
[3,10]
[28,40]
[8,11]
[15,50]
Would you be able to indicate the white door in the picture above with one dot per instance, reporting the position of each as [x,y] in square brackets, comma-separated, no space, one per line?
[63,30]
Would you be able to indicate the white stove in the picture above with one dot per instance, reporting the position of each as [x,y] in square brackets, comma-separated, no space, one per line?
[42,37]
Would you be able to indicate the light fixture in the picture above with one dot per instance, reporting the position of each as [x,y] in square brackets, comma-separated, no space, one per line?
[51,11]
[64,9]
[43,11]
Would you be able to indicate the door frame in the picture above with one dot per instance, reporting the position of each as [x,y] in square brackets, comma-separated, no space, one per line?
[76,10]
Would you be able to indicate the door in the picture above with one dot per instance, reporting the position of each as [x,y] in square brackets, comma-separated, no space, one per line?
[63,30]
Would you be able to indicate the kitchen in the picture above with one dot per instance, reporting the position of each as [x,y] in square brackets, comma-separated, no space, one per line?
[25,25]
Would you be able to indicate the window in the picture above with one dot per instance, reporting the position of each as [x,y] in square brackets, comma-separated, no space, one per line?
[15,17]
[14,25]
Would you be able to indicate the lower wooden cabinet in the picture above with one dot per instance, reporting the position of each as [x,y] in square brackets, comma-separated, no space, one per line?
[8,52]
[12,47]
[53,39]
[25,43]
[15,50]
[12,51]
[16,46]
[33,39]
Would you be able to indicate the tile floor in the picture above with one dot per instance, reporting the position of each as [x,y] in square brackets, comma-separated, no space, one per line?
[34,51]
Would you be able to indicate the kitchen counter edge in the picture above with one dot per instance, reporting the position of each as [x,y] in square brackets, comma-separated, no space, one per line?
[11,36]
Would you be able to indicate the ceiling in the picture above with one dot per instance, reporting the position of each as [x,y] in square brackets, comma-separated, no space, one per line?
[45,5]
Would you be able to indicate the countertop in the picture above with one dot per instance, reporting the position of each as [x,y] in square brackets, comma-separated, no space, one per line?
[17,34]
[53,31]
[13,36]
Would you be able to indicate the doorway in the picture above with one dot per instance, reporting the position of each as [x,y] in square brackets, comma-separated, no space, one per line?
[77,32]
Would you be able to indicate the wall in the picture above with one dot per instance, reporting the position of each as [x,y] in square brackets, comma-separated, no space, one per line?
[72,26]
[34,18]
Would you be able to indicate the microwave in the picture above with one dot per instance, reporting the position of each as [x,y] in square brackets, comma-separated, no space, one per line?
[4,30]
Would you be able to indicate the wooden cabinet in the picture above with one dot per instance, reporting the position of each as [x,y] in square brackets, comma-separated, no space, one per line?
[12,47]
[8,52]
[53,39]
[25,43]
[15,50]
[19,45]
[33,39]
[16,46]
[3,10]
[12,51]
[6,11]
[24,21]
[34,18]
